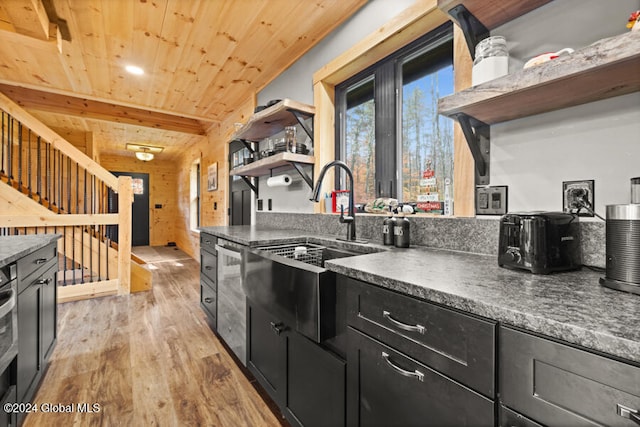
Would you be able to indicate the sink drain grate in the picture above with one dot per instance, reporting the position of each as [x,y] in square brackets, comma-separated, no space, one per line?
[307,252]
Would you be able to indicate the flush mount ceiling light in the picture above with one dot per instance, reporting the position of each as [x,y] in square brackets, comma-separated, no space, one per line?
[144,152]
[134,70]
[145,156]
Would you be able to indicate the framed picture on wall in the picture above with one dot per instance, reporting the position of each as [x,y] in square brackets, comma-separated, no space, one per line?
[212,177]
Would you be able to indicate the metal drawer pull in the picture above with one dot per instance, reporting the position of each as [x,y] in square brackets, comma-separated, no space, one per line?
[417,374]
[628,413]
[41,260]
[44,281]
[208,242]
[277,327]
[413,328]
[208,267]
[208,300]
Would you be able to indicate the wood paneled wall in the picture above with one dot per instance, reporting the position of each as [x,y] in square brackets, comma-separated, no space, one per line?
[162,190]
[214,148]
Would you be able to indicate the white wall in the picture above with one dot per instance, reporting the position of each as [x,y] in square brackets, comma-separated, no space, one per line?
[599,140]
[297,83]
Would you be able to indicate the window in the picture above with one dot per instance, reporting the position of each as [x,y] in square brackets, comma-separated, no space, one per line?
[194,195]
[389,131]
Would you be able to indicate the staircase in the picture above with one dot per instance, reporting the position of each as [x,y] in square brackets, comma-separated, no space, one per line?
[49,186]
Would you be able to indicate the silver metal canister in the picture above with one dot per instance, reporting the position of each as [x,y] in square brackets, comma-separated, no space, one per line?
[623,248]
[635,190]
[401,231]
[388,230]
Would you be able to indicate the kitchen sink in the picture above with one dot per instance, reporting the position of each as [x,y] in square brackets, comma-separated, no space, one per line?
[310,253]
[290,282]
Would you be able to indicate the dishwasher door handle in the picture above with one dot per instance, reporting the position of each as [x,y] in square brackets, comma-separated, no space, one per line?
[229,252]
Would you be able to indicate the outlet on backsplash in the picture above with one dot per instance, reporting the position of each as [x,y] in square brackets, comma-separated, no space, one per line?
[578,195]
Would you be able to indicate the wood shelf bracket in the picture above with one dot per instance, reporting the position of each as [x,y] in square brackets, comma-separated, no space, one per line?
[473,29]
[477,134]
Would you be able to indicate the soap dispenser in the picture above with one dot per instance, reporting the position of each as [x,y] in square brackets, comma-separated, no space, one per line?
[401,232]
[388,229]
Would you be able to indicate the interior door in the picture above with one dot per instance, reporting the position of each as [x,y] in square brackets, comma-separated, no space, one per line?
[139,209]
[240,193]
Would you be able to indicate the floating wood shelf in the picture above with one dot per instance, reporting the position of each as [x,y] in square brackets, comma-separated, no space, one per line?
[607,68]
[274,119]
[493,13]
[263,167]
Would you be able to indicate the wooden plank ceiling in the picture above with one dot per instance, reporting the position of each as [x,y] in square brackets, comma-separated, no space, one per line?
[202,59]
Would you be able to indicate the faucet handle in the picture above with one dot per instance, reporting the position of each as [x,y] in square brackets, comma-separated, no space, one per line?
[343,218]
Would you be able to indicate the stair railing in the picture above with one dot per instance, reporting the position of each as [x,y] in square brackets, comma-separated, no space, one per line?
[69,194]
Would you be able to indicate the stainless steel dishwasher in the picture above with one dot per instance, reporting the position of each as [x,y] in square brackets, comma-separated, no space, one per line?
[231,298]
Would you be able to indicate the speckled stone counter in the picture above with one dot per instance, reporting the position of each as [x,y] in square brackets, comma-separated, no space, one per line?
[570,306]
[13,248]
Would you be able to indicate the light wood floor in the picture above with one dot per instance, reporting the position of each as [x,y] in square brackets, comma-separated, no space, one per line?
[148,359]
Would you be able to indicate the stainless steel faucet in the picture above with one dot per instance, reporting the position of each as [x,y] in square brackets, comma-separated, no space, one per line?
[350,219]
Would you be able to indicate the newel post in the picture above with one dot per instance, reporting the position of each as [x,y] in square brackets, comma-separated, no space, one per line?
[125,199]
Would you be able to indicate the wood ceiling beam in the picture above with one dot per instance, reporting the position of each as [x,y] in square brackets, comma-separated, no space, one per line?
[99,110]
[28,17]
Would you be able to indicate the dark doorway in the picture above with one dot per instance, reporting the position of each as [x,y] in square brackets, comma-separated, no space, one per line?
[139,209]
[240,193]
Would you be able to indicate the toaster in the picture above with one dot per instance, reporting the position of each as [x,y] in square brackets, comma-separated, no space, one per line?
[541,242]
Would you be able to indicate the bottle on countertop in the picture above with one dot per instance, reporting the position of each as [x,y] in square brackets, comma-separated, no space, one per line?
[401,232]
[388,229]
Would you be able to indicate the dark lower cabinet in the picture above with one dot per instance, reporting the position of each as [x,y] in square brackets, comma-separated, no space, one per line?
[37,322]
[8,419]
[315,384]
[29,347]
[387,388]
[208,301]
[305,380]
[49,312]
[557,384]
[267,352]
[209,278]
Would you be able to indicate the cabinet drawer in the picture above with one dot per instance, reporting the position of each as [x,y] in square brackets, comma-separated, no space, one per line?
[36,260]
[208,300]
[208,242]
[388,388]
[45,275]
[556,384]
[460,346]
[209,265]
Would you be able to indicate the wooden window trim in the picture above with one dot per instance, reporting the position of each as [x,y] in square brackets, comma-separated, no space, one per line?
[417,20]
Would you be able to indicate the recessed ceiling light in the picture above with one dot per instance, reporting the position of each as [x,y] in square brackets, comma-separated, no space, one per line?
[134,70]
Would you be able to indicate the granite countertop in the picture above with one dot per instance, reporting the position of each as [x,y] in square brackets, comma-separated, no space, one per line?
[570,306]
[13,248]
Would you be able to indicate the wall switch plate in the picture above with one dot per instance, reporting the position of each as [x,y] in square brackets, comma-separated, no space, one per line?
[492,200]
[158,206]
[215,206]
[573,195]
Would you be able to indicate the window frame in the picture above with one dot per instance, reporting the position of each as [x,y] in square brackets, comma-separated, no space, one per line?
[387,74]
